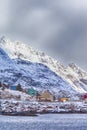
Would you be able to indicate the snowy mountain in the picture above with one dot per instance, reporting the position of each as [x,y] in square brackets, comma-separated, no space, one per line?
[30,74]
[38,69]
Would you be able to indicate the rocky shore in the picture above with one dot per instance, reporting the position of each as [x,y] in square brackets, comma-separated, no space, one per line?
[28,108]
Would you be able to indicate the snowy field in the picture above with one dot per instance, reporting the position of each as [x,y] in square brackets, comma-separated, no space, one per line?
[45,122]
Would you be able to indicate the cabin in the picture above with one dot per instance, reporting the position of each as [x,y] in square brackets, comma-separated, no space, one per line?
[13,87]
[46,96]
[85,97]
[64,99]
[32,92]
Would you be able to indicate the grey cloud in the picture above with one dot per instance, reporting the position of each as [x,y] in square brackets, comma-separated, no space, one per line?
[57,27]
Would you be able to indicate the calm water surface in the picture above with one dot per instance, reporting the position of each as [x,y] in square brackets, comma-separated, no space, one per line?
[45,122]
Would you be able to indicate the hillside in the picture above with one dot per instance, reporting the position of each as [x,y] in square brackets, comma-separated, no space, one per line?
[74,77]
[29,74]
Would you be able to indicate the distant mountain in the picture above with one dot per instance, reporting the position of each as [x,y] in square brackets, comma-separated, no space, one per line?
[42,70]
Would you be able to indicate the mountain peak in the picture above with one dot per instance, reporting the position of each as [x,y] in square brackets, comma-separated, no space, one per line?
[78,70]
[73,65]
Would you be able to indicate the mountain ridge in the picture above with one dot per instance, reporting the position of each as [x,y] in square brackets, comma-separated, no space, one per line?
[16,50]
[30,74]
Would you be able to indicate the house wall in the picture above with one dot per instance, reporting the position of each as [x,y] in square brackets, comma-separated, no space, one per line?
[46,96]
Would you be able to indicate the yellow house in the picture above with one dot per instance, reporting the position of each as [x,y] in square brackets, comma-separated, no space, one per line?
[64,99]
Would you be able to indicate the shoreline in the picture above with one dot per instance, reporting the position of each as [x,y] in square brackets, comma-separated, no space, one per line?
[37,113]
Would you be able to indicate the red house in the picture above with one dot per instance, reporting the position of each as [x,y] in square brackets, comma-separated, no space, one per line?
[85,96]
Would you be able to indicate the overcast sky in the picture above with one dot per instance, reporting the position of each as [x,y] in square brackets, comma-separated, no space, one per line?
[57,27]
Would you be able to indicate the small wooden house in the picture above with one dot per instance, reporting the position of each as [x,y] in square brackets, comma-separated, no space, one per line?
[64,99]
[85,97]
[46,96]
[13,87]
[32,92]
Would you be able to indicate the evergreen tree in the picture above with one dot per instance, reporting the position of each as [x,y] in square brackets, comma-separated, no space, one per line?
[19,87]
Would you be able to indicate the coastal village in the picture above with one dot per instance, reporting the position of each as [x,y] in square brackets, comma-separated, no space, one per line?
[44,95]
[15,99]
[34,82]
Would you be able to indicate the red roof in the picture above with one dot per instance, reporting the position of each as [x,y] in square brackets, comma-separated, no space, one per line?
[85,96]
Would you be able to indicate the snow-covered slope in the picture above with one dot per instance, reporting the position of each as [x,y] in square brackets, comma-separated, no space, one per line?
[5,61]
[30,74]
[8,68]
[24,52]
[79,72]
[40,76]
[79,76]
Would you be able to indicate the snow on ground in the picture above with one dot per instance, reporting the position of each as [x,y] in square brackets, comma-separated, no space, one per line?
[42,107]
[17,95]
[16,101]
